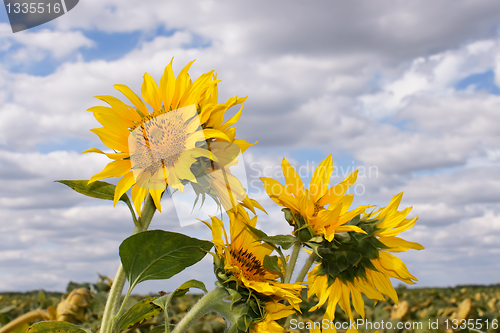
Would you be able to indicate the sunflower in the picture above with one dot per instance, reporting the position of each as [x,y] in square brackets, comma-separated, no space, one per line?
[158,148]
[357,264]
[242,258]
[323,209]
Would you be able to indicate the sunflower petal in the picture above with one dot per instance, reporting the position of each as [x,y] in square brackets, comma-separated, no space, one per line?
[150,92]
[133,98]
[321,178]
[292,179]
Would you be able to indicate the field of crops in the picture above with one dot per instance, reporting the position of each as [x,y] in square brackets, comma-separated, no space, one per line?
[459,309]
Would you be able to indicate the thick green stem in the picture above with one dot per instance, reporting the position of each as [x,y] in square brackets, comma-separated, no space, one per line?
[113,301]
[212,301]
[302,274]
[291,264]
[307,265]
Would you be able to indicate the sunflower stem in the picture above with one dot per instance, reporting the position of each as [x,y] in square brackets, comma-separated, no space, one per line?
[302,274]
[291,264]
[307,265]
[113,302]
[212,301]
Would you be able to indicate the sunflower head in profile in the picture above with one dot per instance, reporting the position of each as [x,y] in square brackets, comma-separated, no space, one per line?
[239,267]
[319,210]
[158,144]
[356,263]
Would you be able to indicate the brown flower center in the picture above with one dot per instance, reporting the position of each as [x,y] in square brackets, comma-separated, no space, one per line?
[248,264]
[158,141]
[317,208]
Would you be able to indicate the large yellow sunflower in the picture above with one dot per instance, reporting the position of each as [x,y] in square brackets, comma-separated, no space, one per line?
[158,148]
[323,209]
[361,263]
[243,256]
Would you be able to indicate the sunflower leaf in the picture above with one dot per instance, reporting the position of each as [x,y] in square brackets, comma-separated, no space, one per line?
[138,314]
[99,190]
[257,232]
[163,301]
[158,329]
[56,326]
[271,263]
[158,255]
[285,241]
[184,288]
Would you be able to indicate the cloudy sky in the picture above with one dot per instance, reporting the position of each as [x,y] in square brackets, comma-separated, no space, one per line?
[403,90]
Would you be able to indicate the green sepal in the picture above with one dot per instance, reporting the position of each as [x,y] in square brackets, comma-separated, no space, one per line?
[305,233]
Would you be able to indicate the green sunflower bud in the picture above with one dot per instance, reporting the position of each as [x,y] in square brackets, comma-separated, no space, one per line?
[305,233]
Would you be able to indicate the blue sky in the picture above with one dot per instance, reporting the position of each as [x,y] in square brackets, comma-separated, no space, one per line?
[376,87]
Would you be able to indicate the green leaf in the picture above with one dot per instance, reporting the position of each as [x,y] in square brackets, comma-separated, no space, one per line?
[138,314]
[158,255]
[257,232]
[158,329]
[97,189]
[184,288]
[285,241]
[271,263]
[179,292]
[56,327]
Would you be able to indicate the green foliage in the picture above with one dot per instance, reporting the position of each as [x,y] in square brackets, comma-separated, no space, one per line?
[285,241]
[158,255]
[271,263]
[99,190]
[163,301]
[56,327]
[138,314]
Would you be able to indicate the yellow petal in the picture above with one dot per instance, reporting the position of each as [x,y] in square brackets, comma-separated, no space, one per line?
[181,84]
[138,195]
[111,140]
[123,185]
[113,156]
[321,178]
[397,244]
[233,120]
[121,108]
[393,205]
[167,86]
[357,300]
[113,169]
[213,133]
[273,189]
[392,263]
[133,98]
[156,195]
[150,92]
[335,193]
[293,181]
